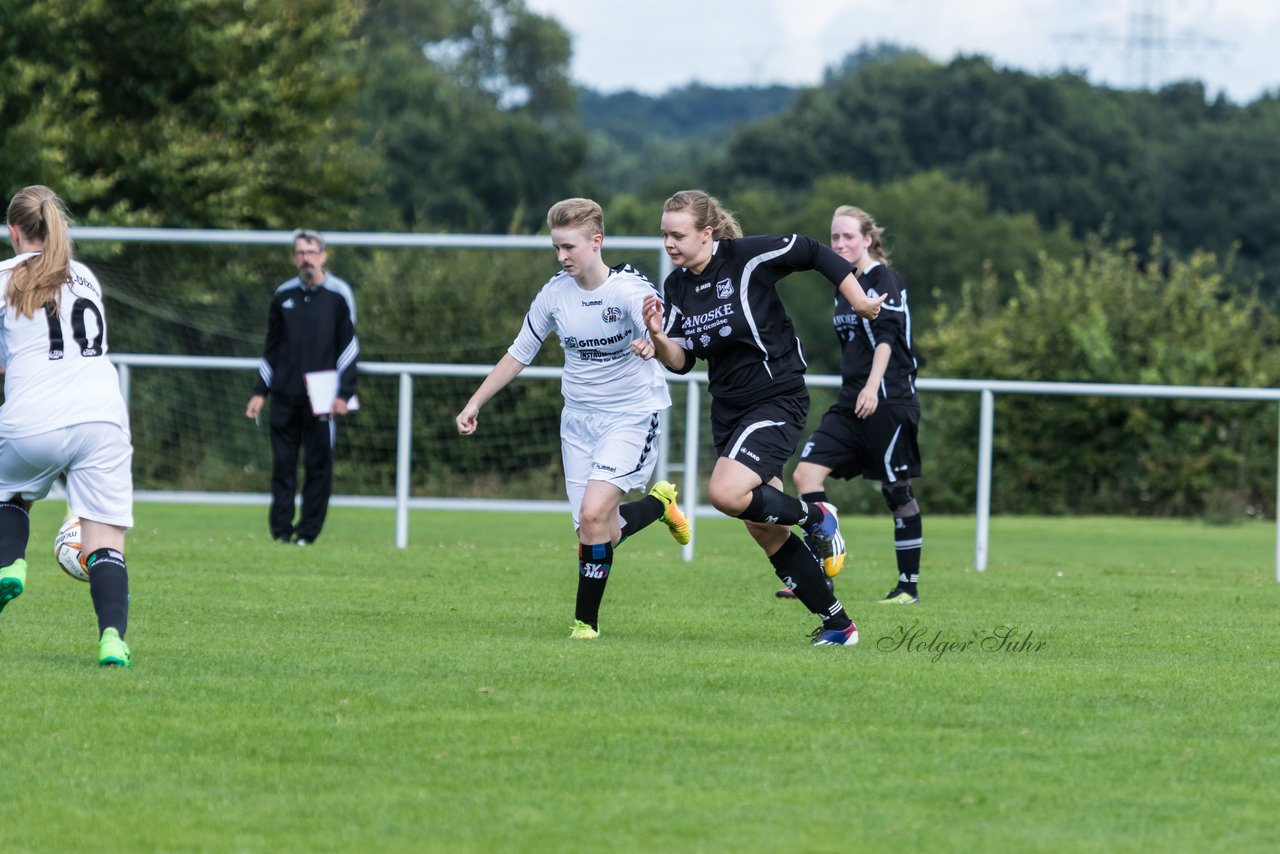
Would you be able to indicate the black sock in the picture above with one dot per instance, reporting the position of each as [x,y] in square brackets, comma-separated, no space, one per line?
[594,562]
[810,512]
[908,538]
[772,506]
[15,530]
[640,514]
[799,570]
[109,587]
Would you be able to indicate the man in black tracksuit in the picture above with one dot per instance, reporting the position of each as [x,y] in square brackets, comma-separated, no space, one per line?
[311,326]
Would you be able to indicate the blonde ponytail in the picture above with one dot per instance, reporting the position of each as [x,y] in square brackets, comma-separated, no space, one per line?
[706,210]
[41,219]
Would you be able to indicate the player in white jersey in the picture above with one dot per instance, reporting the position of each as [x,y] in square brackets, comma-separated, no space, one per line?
[63,414]
[613,398]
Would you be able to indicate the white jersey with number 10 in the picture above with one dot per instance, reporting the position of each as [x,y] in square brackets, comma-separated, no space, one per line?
[56,371]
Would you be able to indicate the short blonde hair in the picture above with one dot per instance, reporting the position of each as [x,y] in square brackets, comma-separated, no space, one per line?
[577,213]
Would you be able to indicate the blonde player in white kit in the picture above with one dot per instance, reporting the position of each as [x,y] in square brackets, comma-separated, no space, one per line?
[613,398]
[63,414]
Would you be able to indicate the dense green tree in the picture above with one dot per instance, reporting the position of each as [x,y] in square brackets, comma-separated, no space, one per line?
[470,108]
[1136,164]
[1053,146]
[1217,188]
[205,113]
[1112,316]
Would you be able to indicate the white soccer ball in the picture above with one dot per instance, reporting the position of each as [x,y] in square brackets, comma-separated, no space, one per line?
[66,548]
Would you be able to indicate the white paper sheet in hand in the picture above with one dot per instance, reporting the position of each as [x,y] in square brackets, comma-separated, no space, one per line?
[322,388]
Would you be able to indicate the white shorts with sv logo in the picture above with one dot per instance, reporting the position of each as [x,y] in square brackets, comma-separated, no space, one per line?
[618,448]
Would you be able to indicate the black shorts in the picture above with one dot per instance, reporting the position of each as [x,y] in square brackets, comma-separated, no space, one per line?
[762,436]
[882,447]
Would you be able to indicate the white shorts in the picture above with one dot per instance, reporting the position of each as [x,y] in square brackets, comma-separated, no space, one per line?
[618,448]
[96,458]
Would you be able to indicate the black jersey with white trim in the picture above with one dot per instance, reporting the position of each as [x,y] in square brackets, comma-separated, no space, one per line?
[309,328]
[859,338]
[731,315]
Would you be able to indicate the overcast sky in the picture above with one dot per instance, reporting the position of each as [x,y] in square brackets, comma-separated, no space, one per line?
[655,45]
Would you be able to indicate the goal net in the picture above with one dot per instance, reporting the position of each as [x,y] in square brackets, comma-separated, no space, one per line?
[416,306]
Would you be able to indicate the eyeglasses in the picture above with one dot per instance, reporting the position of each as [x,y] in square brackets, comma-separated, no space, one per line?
[298,252]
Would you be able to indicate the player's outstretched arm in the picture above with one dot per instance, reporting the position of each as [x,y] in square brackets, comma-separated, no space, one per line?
[857,297]
[507,369]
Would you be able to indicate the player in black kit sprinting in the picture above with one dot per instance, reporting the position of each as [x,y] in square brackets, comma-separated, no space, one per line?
[871,429]
[721,304]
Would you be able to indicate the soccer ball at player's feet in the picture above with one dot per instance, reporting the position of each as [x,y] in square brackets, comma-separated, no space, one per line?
[66,550]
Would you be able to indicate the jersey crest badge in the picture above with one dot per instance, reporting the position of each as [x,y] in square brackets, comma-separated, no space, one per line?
[724,288]
[611,314]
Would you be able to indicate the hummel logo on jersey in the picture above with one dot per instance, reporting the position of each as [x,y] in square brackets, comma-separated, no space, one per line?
[724,288]
[772,520]
[587,303]
[702,287]
[287,303]
[603,467]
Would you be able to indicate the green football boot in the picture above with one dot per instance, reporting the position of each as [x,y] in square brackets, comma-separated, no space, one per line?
[112,650]
[13,580]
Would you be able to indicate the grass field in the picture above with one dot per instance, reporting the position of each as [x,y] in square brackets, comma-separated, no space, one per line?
[350,697]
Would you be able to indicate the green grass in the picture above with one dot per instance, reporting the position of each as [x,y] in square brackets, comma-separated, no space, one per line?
[351,697]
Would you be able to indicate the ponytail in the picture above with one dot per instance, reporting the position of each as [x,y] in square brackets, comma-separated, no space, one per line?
[706,211]
[40,218]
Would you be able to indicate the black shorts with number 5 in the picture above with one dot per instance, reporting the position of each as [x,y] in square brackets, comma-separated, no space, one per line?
[882,447]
